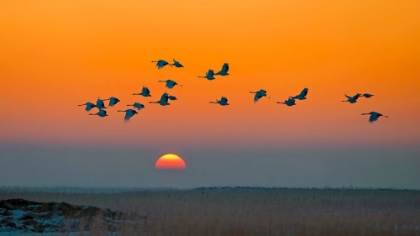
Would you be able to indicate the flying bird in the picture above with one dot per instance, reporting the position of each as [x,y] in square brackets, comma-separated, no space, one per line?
[128,113]
[137,105]
[89,106]
[374,116]
[289,102]
[161,63]
[145,92]
[176,63]
[209,75]
[302,95]
[224,70]
[163,101]
[222,102]
[352,99]
[367,95]
[112,101]
[100,113]
[259,94]
[100,104]
[170,83]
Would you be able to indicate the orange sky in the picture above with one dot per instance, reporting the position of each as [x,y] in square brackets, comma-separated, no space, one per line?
[55,55]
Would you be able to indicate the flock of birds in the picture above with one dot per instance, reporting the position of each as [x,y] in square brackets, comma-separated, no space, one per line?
[223,101]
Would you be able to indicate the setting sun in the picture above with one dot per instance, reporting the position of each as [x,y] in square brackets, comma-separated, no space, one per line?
[170,161]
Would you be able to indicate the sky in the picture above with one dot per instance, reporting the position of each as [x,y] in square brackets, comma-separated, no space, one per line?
[56,55]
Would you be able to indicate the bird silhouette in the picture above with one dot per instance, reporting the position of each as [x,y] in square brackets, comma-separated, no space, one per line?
[367,95]
[302,95]
[170,83]
[145,92]
[222,102]
[128,113]
[100,113]
[289,102]
[224,70]
[163,101]
[161,63]
[137,105]
[259,94]
[374,116]
[100,103]
[352,99]
[112,101]
[176,63]
[89,106]
[209,75]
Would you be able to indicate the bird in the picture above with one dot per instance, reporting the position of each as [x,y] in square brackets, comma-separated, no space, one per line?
[176,63]
[224,70]
[367,95]
[172,97]
[302,95]
[374,116]
[161,63]
[289,102]
[112,101]
[170,83]
[89,106]
[100,104]
[259,94]
[100,113]
[352,99]
[163,101]
[145,92]
[222,102]
[209,75]
[128,113]
[137,105]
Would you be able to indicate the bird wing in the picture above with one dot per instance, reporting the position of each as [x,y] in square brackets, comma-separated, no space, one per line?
[210,73]
[223,100]
[257,97]
[347,96]
[225,67]
[164,97]
[304,92]
[373,117]
[129,113]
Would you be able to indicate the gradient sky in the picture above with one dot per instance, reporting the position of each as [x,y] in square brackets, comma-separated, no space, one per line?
[55,55]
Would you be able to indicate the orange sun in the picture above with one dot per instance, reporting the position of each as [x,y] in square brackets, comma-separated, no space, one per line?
[170,161]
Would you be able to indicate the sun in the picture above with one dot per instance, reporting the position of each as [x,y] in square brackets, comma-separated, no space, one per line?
[170,162]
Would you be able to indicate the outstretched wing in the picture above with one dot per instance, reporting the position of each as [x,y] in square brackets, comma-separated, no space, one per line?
[145,90]
[223,100]
[304,92]
[129,113]
[164,97]
[347,96]
[257,97]
[172,97]
[89,106]
[373,117]
[225,68]
[210,73]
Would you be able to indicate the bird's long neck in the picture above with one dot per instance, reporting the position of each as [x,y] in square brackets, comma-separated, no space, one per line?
[153,102]
[93,114]
[82,104]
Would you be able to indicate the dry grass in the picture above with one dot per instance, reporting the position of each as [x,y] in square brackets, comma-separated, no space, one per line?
[250,211]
